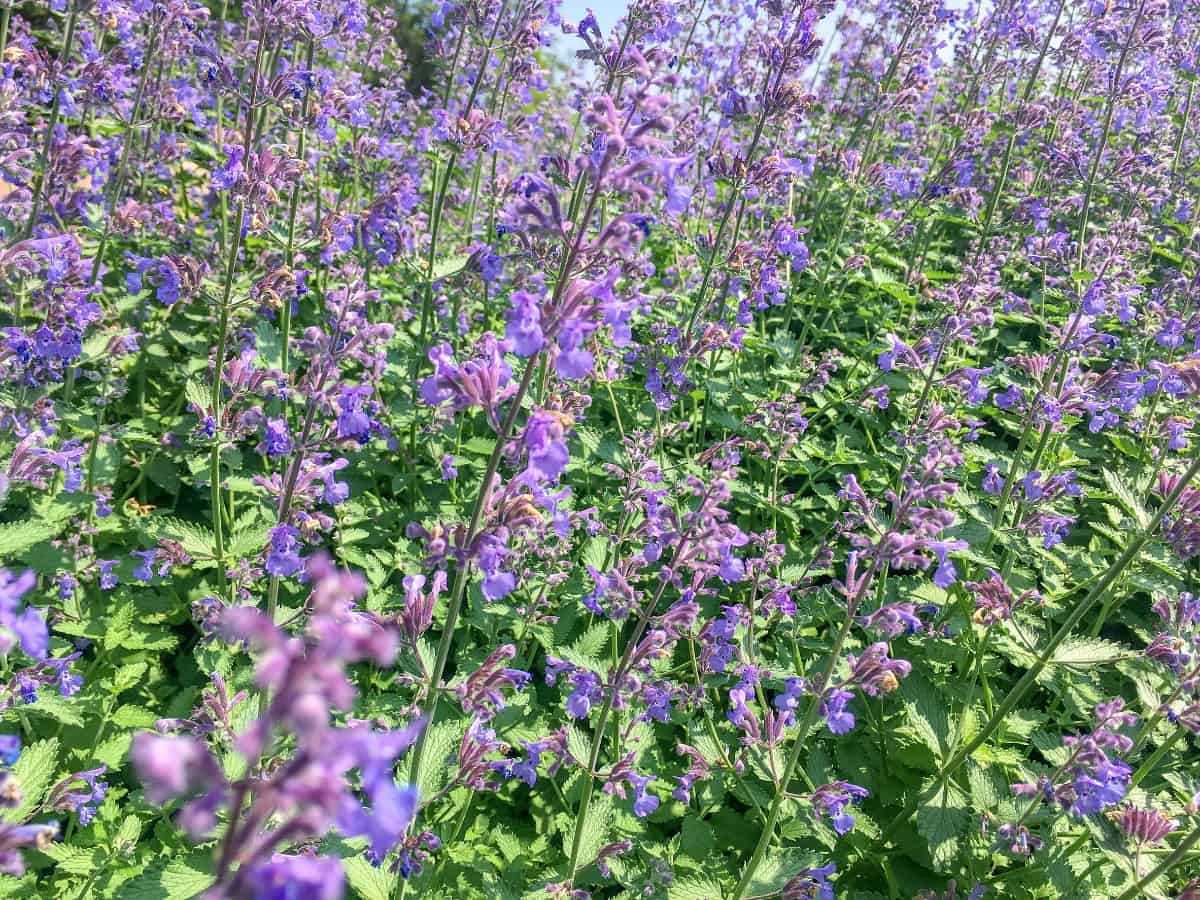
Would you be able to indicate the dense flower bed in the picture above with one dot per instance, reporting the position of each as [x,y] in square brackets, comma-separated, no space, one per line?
[756,459]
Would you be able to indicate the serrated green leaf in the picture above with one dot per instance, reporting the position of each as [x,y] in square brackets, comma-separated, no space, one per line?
[1126,497]
[940,820]
[578,743]
[113,751]
[269,345]
[370,882]
[449,265]
[1086,651]
[33,770]
[696,839]
[594,553]
[127,676]
[197,540]
[695,887]
[74,860]
[595,829]
[926,711]
[440,743]
[197,394]
[52,706]
[128,833]
[778,868]
[174,880]
[130,716]
[17,537]
[248,540]
[591,645]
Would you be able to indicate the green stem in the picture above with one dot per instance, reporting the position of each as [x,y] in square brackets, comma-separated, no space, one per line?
[5,14]
[1163,867]
[800,739]
[618,675]
[1183,126]
[1027,681]
[285,311]
[1109,106]
[64,59]
[231,266]
[434,681]
[715,250]
[112,192]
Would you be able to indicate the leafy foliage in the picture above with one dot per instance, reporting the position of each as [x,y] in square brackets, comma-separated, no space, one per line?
[719,451]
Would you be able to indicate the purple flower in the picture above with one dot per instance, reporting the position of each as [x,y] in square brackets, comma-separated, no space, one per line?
[874,672]
[731,569]
[573,362]
[283,560]
[288,876]
[833,710]
[1104,786]
[497,583]
[1145,826]
[811,884]
[81,793]
[789,700]
[1010,397]
[108,578]
[993,482]
[544,440]
[353,423]
[144,572]
[893,620]
[832,799]
[484,381]
[28,627]
[586,694]
[10,749]
[524,331]
[644,803]
[277,440]
[945,574]
[231,172]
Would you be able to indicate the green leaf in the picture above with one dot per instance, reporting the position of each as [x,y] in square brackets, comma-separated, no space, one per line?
[592,643]
[440,743]
[449,265]
[695,887]
[198,395]
[17,537]
[1127,498]
[135,717]
[74,860]
[197,540]
[927,713]
[594,552]
[128,676]
[269,345]
[247,540]
[128,833]
[174,880]
[34,770]
[369,882]
[579,745]
[595,829]
[778,868]
[697,839]
[60,709]
[940,820]
[113,751]
[1086,651]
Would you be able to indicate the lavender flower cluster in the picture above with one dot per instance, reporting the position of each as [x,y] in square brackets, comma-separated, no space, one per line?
[730,449]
